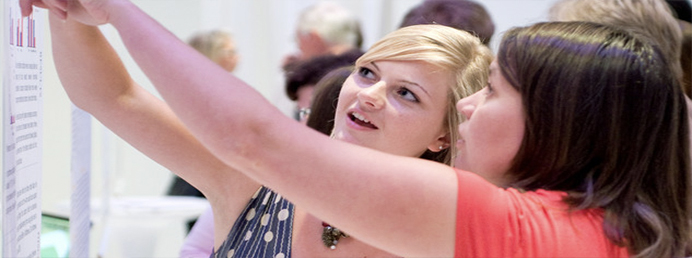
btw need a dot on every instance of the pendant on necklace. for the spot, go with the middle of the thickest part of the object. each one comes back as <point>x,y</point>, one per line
<point>331,236</point>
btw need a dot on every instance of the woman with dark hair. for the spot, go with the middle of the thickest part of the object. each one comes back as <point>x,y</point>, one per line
<point>577,147</point>
<point>592,98</point>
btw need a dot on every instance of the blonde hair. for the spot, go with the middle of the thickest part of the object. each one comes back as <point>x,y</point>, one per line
<point>210,43</point>
<point>450,49</point>
<point>652,19</point>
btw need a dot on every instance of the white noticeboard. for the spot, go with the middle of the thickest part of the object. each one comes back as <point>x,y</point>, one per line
<point>22,131</point>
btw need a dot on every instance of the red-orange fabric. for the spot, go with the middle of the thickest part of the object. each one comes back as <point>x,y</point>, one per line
<point>496,222</point>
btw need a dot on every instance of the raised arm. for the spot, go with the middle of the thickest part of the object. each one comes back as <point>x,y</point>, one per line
<point>403,205</point>
<point>96,81</point>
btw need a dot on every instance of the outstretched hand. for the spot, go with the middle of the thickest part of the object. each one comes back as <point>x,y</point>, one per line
<point>90,12</point>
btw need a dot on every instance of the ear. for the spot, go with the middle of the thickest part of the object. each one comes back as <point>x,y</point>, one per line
<point>440,143</point>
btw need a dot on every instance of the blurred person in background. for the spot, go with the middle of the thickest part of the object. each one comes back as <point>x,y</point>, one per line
<point>465,15</point>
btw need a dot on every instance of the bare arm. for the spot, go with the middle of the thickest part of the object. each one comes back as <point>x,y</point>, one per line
<point>96,81</point>
<point>403,205</point>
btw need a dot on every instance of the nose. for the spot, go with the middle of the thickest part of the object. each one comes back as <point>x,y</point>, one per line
<point>373,97</point>
<point>467,105</point>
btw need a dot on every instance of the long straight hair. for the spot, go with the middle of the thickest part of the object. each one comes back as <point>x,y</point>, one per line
<point>606,122</point>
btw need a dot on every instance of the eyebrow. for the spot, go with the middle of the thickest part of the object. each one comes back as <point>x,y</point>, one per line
<point>417,85</point>
<point>375,65</point>
<point>404,81</point>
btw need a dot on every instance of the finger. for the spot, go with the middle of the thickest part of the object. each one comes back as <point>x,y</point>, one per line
<point>26,6</point>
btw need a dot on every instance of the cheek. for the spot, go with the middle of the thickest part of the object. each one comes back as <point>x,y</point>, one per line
<point>416,131</point>
<point>349,92</point>
<point>493,144</point>
<point>403,141</point>
<point>346,98</point>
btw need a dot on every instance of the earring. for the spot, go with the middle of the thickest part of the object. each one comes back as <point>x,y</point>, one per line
<point>441,147</point>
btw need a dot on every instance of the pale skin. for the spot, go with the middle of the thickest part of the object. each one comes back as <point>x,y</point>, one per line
<point>488,142</point>
<point>184,135</point>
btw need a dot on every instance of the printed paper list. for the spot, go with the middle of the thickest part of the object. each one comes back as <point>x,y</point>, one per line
<point>22,129</point>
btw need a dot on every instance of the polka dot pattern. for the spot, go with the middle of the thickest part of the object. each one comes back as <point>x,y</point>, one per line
<point>265,219</point>
<point>268,237</point>
<point>250,214</point>
<point>266,199</point>
<point>263,229</point>
<point>283,215</point>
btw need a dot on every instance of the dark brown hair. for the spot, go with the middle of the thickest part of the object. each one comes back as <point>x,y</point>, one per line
<point>464,15</point>
<point>325,98</point>
<point>309,72</point>
<point>686,57</point>
<point>606,122</point>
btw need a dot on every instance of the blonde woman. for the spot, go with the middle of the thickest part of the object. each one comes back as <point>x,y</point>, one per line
<point>400,100</point>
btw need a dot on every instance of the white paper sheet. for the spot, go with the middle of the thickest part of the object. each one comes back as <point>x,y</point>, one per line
<point>22,129</point>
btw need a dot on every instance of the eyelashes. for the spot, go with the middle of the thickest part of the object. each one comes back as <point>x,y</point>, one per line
<point>400,91</point>
<point>407,94</point>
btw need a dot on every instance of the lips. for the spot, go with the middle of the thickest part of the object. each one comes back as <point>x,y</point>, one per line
<point>360,119</point>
